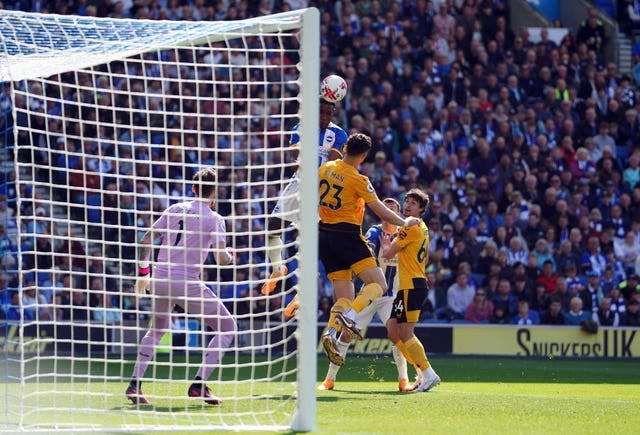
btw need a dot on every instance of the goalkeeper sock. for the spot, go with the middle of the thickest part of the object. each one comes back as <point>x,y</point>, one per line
<point>147,348</point>
<point>342,305</point>
<point>215,349</point>
<point>197,383</point>
<point>368,294</point>
<point>135,384</point>
<point>274,251</point>
<point>401,363</point>
<point>333,369</point>
<point>418,354</point>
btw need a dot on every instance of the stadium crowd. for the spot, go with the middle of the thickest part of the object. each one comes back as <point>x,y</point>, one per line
<point>529,152</point>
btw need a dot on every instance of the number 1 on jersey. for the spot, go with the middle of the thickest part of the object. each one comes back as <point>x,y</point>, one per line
<point>180,229</point>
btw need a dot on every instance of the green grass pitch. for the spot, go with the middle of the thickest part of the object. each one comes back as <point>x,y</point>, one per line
<point>477,396</point>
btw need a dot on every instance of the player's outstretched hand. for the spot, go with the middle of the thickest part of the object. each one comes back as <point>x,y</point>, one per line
<point>385,241</point>
<point>142,284</point>
<point>411,221</point>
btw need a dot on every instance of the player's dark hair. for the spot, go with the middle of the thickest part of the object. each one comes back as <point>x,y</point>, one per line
<point>324,102</point>
<point>392,201</point>
<point>204,181</point>
<point>358,143</point>
<point>419,196</point>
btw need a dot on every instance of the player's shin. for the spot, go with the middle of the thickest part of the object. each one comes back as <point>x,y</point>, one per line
<point>402,347</point>
<point>401,363</point>
<point>333,369</point>
<point>342,305</point>
<point>215,350</point>
<point>274,250</point>
<point>368,294</point>
<point>417,353</point>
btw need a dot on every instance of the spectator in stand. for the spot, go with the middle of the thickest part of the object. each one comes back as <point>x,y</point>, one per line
<point>631,317</point>
<point>104,312</point>
<point>480,309</point>
<point>592,294</point>
<point>499,317</point>
<point>627,250</point>
<point>605,316</point>
<point>618,304</point>
<point>593,259</point>
<point>459,296</point>
<point>548,278</point>
<point>505,299</point>
<point>575,315</point>
<point>525,316</point>
<point>553,316</point>
<point>13,312</point>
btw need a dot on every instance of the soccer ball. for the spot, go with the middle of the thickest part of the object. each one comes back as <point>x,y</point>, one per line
<point>333,88</point>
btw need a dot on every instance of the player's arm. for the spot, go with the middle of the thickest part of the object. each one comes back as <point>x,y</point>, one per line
<point>222,254</point>
<point>388,248</point>
<point>387,215</point>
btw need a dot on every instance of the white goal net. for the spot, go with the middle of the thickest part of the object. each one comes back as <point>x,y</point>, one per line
<point>111,119</point>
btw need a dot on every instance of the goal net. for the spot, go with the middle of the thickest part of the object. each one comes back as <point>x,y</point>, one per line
<point>111,119</point>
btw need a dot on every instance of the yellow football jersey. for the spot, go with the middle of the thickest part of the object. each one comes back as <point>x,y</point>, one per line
<point>343,193</point>
<point>412,258</point>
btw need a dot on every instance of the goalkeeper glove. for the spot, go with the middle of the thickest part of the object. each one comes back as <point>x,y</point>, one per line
<point>143,281</point>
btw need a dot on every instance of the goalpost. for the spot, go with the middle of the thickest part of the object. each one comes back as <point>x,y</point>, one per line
<point>111,119</point>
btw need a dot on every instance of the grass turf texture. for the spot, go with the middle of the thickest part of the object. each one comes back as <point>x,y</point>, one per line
<point>478,395</point>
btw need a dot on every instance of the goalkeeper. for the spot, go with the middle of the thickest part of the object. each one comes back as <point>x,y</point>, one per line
<point>331,142</point>
<point>187,231</point>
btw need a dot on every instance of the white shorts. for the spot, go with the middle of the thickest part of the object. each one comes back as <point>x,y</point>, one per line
<point>380,306</point>
<point>288,206</point>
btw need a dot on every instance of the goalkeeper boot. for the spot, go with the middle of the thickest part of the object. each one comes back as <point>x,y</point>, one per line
<point>270,285</point>
<point>204,393</point>
<point>136,396</point>
<point>330,345</point>
<point>292,308</point>
<point>349,325</point>
<point>326,385</point>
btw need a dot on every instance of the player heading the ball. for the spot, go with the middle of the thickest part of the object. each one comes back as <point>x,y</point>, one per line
<point>331,142</point>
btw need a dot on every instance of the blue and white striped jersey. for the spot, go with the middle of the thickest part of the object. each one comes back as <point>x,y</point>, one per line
<point>331,137</point>
<point>389,267</point>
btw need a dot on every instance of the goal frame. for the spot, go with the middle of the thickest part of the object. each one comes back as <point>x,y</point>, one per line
<point>304,417</point>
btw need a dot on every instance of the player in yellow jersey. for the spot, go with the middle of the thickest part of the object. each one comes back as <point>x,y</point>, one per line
<point>380,307</point>
<point>411,246</point>
<point>343,193</point>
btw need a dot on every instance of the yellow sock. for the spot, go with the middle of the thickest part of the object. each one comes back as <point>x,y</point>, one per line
<point>402,347</point>
<point>368,294</point>
<point>415,349</point>
<point>341,305</point>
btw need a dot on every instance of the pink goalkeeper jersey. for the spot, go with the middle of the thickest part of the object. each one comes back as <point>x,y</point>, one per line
<point>188,230</point>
